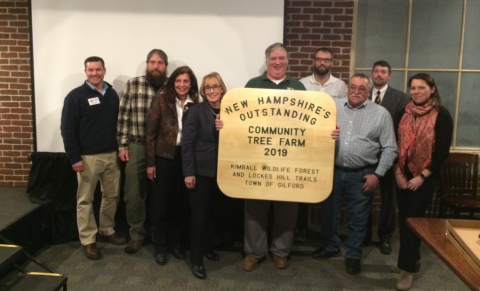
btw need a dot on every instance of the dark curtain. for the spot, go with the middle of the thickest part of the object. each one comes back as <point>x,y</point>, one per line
<point>53,182</point>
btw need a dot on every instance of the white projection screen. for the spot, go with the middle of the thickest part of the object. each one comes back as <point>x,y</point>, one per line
<point>226,36</point>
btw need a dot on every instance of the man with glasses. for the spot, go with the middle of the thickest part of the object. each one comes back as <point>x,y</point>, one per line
<point>321,80</point>
<point>366,130</point>
<point>134,104</point>
<point>394,101</point>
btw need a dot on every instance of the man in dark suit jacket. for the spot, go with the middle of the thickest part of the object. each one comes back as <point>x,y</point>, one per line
<point>393,100</point>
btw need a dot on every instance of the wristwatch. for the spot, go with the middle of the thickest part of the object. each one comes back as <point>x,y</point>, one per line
<point>423,176</point>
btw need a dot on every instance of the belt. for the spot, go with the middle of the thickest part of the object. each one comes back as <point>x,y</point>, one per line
<point>136,140</point>
<point>344,169</point>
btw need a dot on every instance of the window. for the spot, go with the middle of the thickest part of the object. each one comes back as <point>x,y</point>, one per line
<point>441,38</point>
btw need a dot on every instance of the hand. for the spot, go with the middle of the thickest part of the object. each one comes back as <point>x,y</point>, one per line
<point>123,155</point>
<point>78,167</point>
<point>335,133</point>
<point>401,181</point>
<point>218,123</point>
<point>371,183</point>
<point>190,182</point>
<point>415,183</point>
<point>151,173</point>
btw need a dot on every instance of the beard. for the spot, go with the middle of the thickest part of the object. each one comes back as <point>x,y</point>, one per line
<point>321,71</point>
<point>158,80</point>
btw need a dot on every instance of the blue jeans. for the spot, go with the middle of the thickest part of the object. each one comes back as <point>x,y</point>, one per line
<point>347,185</point>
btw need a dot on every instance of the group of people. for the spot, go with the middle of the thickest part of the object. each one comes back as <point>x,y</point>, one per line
<point>163,132</point>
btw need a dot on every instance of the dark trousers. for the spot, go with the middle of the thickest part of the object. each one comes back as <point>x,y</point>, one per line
<point>302,218</point>
<point>386,224</point>
<point>202,214</point>
<point>169,205</point>
<point>412,204</point>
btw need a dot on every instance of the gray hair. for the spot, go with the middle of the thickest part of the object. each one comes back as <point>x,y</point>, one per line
<point>273,47</point>
<point>362,76</point>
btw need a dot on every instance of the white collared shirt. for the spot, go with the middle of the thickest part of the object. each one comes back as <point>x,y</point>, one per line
<point>178,105</point>
<point>333,87</point>
<point>382,93</point>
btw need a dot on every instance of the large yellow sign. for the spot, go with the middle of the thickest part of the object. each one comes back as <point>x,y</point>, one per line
<point>277,145</point>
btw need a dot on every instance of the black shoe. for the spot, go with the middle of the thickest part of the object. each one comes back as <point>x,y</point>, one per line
<point>178,254</point>
<point>199,271</point>
<point>161,258</point>
<point>353,266</point>
<point>212,256</point>
<point>300,235</point>
<point>385,247</point>
<point>321,253</point>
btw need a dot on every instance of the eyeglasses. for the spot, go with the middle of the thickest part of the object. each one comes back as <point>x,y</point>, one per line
<point>214,88</point>
<point>355,88</point>
<point>326,61</point>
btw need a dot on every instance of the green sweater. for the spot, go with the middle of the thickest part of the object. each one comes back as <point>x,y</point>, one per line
<point>263,82</point>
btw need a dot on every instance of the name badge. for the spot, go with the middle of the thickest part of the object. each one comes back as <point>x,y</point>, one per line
<point>93,101</point>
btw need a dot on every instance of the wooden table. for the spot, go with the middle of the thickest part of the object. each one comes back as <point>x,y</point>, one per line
<point>433,232</point>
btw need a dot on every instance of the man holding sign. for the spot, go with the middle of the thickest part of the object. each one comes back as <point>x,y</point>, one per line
<point>256,211</point>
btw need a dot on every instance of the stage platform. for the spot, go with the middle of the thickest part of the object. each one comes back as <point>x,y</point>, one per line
<point>14,205</point>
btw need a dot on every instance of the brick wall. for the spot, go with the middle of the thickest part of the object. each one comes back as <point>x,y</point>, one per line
<point>16,119</point>
<point>311,24</point>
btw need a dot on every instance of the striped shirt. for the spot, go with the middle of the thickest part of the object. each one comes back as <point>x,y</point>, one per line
<point>365,132</point>
<point>132,116</point>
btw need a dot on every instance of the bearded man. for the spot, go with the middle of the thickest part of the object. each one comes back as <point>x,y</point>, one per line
<point>134,104</point>
<point>321,79</point>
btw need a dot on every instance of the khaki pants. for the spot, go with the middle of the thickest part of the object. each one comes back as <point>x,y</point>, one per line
<point>106,168</point>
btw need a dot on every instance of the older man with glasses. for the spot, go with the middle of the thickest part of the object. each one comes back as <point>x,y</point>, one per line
<point>366,129</point>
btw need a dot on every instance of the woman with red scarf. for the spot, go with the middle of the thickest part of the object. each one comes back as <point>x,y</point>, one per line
<point>424,134</point>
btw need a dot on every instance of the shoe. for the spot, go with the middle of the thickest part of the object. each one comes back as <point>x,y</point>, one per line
<point>161,258</point>
<point>250,263</point>
<point>385,247</point>
<point>300,235</point>
<point>397,270</point>
<point>321,253</point>
<point>199,271</point>
<point>353,266</point>
<point>133,246</point>
<point>280,262</point>
<point>404,282</point>
<point>114,239</point>
<point>92,252</point>
<point>178,254</point>
<point>212,256</point>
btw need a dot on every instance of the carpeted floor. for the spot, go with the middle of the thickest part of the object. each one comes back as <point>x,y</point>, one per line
<point>117,271</point>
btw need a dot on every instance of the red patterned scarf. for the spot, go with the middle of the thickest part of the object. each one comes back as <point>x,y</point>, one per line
<point>416,136</point>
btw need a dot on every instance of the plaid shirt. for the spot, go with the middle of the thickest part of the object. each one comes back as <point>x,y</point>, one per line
<point>132,116</point>
<point>365,131</point>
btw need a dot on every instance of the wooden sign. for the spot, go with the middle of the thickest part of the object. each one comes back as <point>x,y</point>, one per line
<point>277,145</point>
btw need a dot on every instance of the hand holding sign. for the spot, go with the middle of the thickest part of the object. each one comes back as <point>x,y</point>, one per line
<point>277,145</point>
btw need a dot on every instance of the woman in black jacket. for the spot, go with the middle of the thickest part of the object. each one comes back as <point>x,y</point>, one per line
<point>199,154</point>
<point>424,134</point>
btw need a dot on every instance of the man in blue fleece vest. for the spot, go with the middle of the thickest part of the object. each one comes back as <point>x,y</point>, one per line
<point>88,126</point>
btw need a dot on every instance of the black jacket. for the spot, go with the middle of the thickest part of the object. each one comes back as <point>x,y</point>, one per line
<point>89,122</point>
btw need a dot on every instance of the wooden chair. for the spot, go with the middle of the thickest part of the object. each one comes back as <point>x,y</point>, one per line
<point>459,182</point>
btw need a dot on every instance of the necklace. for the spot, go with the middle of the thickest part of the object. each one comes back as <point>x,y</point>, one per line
<point>216,114</point>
